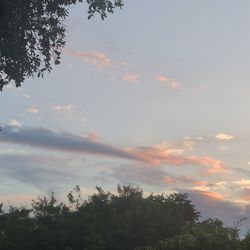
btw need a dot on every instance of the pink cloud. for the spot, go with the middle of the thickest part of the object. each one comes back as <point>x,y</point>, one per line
<point>162,78</point>
<point>191,181</point>
<point>168,180</point>
<point>130,78</point>
<point>245,194</point>
<point>212,195</point>
<point>172,83</point>
<point>98,59</point>
<point>33,110</point>
<point>93,137</point>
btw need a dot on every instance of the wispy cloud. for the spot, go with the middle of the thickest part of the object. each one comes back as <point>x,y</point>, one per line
<point>162,78</point>
<point>131,78</point>
<point>224,137</point>
<point>98,59</point>
<point>14,123</point>
<point>33,110</point>
<point>63,107</point>
<point>172,83</point>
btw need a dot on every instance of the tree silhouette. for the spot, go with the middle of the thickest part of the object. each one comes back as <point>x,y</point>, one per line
<point>32,35</point>
<point>123,221</point>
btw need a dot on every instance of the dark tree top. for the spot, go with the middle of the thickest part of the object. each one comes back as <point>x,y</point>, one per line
<point>32,35</point>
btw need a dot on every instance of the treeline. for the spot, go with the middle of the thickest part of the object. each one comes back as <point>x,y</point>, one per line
<point>126,220</point>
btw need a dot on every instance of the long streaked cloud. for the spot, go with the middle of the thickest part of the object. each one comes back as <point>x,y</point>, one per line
<point>60,140</point>
<point>67,142</point>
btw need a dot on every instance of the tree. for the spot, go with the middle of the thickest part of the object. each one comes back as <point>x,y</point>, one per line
<point>122,221</point>
<point>32,35</point>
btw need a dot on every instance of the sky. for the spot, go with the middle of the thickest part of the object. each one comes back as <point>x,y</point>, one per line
<point>157,95</point>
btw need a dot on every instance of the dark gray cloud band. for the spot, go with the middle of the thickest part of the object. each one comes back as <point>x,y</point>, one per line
<point>63,141</point>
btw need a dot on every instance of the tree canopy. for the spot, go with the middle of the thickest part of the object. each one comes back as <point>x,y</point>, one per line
<point>122,221</point>
<point>32,35</point>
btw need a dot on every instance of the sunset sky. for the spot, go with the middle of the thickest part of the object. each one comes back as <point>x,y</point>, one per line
<point>157,95</point>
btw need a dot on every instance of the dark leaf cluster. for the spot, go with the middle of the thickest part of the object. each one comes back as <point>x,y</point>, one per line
<point>32,35</point>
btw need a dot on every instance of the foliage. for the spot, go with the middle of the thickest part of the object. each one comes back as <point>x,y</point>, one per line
<point>32,35</point>
<point>122,221</point>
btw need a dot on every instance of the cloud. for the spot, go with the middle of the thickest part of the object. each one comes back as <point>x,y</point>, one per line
<point>224,137</point>
<point>14,123</point>
<point>245,194</point>
<point>162,78</point>
<point>41,171</point>
<point>138,175</point>
<point>131,78</point>
<point>93,57</point>
<point>143,174</point>
<point>212,204</point>
<point>200,88</point>
<point>63,108</point>
<point>33,110</point>
<point>185,181</point>
<point>93,137</point>
<point>243,182</point>
<point>60,140</point>
<point>190,181</point>
<point>157,156</point>
<point>67,142</point>
<point>16,200</point>
<point>172,83</point>
<point>98,59</point>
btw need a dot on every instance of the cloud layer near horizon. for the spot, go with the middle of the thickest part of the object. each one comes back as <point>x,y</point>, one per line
<point>67,142</point>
